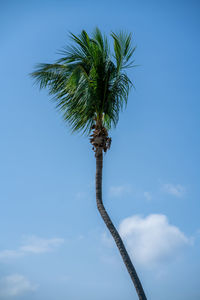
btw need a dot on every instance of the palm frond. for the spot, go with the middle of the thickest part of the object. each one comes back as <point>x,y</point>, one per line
<point>86,83</point>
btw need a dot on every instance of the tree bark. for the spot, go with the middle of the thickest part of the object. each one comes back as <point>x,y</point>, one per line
<point>127,261</point>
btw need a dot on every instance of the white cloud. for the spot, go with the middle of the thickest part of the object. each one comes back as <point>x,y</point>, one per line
<point>33,245</point>
<point>174,189</point>
<point>116,191</point>
<point>14,285</point>
<point>36,245</point>
<point>152,240</point>
<point>6,254</point>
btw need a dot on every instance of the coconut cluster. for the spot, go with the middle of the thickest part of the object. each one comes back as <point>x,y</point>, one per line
<point>99,139</point>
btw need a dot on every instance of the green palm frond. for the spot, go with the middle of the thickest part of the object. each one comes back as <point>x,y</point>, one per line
<point>86,83</point>
<point>123,49</point>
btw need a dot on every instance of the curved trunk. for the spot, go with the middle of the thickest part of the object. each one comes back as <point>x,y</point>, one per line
<point>112,229</point>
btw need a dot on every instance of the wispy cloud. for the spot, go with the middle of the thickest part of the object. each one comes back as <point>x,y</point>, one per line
<point>152,240</point>
<point>119,190</point>
<point>147,196</point>
<point>107,240</point>
<point>34,245</point>
<point>15,285</point>
<point>80,195</point>
<point>174,189</point>
<point>9,254</point>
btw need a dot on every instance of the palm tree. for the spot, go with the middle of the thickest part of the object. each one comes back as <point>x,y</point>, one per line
<point>90,88</point>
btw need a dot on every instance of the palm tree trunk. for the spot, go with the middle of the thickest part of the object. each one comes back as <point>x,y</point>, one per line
<point>112,229</point>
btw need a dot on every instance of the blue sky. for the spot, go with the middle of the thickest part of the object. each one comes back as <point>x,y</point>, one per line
<point>53,243</point>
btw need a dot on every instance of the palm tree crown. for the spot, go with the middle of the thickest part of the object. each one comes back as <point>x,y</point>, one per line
<point>89,83</point>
